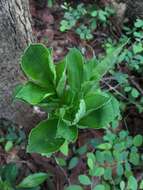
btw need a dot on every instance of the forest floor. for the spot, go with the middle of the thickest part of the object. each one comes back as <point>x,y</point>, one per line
<point>46,23</point>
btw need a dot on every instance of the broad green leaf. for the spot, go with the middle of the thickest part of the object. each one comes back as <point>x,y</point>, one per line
<point>33,180</point>
<point>129,141</point>
<point>141,185</point>
<point>100,157</point>
<point>8,146</point>
<point>127,166</point>
<point>96,100</point>
<point>118,155</point>
<point>42,138</point>
<point>75,69</point>
<point>90,163</point>
<point>84,180</point>
<point>99,171</point>
<point>5,185</point>
<point>37,64</point>
<point>94,13</point>
<point>61,85</point>
<point>137,48</point>
<point>9,173</point>
<point>102,15</point>
<point>70,133</point>
<point>134,158</point>
<point>105,146</point>
<point>64,148</point>
<point>33,94</point>
<point>123,134</point>
<point>120,169</point>
<point>138,23</point>
<point>88,68</point>
<point>73,162</point>
<point>48,105</point>
<point>61,77</point>
<point>107,186</point>
<point>89,87</point>
<point>109,136</point>
<point>138,35</point>
<point>138,140</point>
<point>74,187</point>
<point>107,63</point>
<point>61,161</point>
<point>60,69</point>
<point>91,160</point>
<point>81,112</point>
<point>108,156</point>
<point>99,187</point>
<point>16,90</point>
<point>120,146</point>
<point>108,173</point>
<point>102,117</point>
<point>135,93</point>
<point>82,150</point>
<point>132,183</point>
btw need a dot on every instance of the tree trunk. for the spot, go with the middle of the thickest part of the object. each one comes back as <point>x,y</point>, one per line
<point>134,9</point>
<point>15,35</point>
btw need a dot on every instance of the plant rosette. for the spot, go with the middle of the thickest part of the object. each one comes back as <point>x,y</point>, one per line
<point>69,91</point>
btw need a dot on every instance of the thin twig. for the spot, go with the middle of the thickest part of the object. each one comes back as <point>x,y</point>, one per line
<point>115,90</point>
<point>63,171</point>
<point>136,85</point>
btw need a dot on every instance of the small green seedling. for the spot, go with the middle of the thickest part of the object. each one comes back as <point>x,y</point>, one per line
<point>113,164</point>
<point>73,18</point>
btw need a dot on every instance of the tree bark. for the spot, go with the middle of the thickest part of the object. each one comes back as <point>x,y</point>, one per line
<point>134,9</point>
<point>15,35</point>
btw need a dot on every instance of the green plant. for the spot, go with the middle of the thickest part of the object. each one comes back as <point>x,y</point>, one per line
<point>10,135</point>
<point>113,163</point>
<point>84,32</point>
<point>130,67</point>
<point>9,174</point>
<point>50,3</point>
<point>70,92</point>
<point>127,90</point>
<point>133,54</point>
<point>73,18</point>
